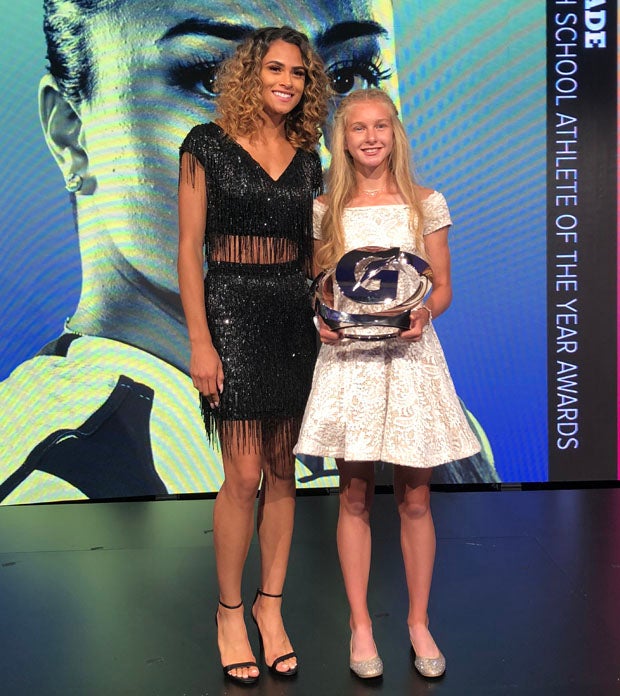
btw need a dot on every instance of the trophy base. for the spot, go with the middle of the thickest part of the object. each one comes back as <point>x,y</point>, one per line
<point>367,327</point>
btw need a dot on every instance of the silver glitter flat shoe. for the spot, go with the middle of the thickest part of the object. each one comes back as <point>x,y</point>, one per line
<point>429,666</point>
<point>367,669</point>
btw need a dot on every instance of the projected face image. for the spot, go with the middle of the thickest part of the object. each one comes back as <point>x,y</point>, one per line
<point>126,83</point>
<point>128,79</point>
<point>153,65</point>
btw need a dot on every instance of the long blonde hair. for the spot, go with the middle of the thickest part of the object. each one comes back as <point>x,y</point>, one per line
<point>341,180</point>
<point>239,89</point>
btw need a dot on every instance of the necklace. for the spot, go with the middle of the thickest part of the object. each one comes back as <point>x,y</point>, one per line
<point>372,192</point>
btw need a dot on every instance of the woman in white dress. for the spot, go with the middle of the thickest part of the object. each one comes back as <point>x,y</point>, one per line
<point>389,400</point>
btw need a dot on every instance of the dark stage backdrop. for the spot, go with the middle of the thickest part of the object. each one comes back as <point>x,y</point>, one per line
<point>512,113</point>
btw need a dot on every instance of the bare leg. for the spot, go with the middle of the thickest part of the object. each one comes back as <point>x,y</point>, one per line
<point>276,512</point>
<point>357,484</point>
<point>233,525</point>
<point>417,538</point>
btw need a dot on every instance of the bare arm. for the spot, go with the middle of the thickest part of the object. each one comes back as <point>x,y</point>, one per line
<point>438,254</point>
<point>205,364</point>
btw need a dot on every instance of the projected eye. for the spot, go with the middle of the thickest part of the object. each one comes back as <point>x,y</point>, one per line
<point>198,78</point>
<point>348,75</point>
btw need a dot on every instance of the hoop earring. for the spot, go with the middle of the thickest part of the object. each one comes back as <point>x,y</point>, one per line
<point>73,183</point>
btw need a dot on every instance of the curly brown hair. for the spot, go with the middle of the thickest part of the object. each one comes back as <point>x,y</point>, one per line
<point>239,89</point>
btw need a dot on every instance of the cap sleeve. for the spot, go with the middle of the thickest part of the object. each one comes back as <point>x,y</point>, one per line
<point>194,145</point>
<point>318,210</point>
<point>436,213</point>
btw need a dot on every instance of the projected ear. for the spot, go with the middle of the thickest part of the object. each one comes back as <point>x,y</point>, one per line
<point>64,135</point>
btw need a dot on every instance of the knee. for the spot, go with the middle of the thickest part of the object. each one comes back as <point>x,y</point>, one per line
<point>356,498</point>
<point>414,507</point>
<point>243,486</point>
<point>279,485</point>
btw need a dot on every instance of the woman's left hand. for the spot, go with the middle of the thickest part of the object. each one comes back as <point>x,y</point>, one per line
<point>418,320</point>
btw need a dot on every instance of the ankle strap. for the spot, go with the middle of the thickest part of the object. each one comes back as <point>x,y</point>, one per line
<point>266,594</point>
<point>230,606</point>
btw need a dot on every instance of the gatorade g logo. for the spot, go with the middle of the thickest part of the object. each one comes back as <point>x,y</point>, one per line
<point>369,275</point>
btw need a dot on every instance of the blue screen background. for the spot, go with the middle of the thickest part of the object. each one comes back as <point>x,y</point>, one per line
<point>472,89</point>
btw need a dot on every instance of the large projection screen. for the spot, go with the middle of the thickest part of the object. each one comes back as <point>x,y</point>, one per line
<point>511,109</point>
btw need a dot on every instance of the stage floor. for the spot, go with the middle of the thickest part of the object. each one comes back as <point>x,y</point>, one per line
<point>118,598</point>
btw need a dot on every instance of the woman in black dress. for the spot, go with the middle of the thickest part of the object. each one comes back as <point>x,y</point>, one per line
<point>246,188</point>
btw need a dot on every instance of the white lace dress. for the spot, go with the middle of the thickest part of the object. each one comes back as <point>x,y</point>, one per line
<point>391,400</point>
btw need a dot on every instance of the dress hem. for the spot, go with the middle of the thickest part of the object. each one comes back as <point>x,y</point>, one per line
<point>322,453</point>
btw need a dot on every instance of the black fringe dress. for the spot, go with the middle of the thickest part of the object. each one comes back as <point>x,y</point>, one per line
<point>258,242</point>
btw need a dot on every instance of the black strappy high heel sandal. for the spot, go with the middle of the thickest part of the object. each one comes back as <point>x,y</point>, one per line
<point>235,665</point>
<point>272,667</point>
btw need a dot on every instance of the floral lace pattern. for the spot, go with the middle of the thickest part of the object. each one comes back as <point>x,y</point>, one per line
<point>391,400</point>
